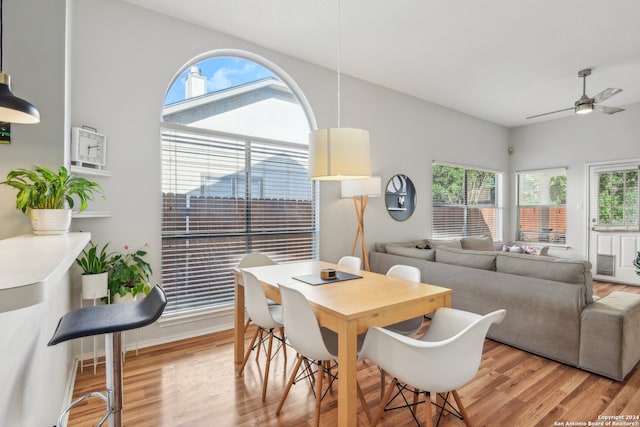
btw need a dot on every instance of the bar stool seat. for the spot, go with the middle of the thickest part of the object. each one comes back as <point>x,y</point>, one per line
<point>111,320</point>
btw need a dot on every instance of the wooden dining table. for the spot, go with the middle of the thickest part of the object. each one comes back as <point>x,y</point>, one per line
<point>348,308</point>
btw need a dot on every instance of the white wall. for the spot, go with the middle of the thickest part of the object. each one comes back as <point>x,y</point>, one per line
<point>123,96</point>
<point>572,142</point>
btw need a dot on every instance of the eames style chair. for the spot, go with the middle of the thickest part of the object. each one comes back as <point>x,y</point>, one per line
<point>266,317</point>
<point>255,259</point>
<point>444,359</point>
<point>406,272</point>
<point>315,346</point>
<point>350,262</point>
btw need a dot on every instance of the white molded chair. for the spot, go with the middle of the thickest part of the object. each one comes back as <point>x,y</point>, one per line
<point>350,262</point>
<point>406,272</point>
<point>255,259</point>
<point>314,344</point>
<point>444,359</point>
<point>266,317</point>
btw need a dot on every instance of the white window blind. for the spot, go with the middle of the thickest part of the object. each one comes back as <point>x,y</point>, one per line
<point>466,202</point>
<point>542,198</point>
<point>211,217</point>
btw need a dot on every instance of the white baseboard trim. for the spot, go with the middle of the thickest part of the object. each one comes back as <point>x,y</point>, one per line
<point>131,346</point>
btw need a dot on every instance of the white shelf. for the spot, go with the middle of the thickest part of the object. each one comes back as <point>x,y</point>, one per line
<point>91,214</point>
<point>89,171</point>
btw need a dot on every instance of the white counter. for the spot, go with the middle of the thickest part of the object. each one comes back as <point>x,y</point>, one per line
<point>27,262</point>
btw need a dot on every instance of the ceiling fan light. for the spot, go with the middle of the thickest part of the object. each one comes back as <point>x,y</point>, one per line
<point>584,108</point>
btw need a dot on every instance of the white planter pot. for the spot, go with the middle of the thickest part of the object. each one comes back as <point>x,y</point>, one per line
<point>126,298</point>
<point>50,221</point>
<point>95,285</point>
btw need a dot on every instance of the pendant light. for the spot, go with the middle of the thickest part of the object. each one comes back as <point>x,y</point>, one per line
<point>12,108</point>
<point>337,154</point>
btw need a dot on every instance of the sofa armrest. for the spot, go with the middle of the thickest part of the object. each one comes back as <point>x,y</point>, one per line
<point>609,338</point>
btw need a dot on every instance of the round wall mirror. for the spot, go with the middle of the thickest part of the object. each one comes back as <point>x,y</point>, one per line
<point>400,197</point>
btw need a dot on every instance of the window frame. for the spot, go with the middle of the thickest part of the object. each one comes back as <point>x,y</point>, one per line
<point>542,232</point>
<point>498,205</point>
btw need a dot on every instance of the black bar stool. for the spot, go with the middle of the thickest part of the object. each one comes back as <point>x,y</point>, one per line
<point>110,320</point>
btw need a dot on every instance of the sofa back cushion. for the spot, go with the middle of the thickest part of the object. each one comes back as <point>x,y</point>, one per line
<point>549,268</point>
<point>484,260</point>
<point>382,246</point>
<point>427,254</point>
<point>441,243</point>
<point>477,243</point>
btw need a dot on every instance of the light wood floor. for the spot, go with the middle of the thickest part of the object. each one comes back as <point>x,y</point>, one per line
<point>192,383</point>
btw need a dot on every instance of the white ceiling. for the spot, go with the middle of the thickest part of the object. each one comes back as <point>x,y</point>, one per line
<point>499,60</point>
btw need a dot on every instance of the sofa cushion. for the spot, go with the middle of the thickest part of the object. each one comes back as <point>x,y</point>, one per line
<point>427,254</point>
<point>438,243</point>
<point>382,246</point>
<point>477,243</point>
<point>549,268</point>
<point>483,260</point>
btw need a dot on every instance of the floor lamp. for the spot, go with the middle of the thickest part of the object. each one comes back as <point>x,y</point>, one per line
<point>360,190</point>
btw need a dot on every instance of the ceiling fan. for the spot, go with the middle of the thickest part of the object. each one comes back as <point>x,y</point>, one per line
<point>585,104</point>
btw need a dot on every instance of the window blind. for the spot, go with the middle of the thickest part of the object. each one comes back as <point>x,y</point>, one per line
<point>542,198</point>
<point>466,202</point>
<point>224,197</point>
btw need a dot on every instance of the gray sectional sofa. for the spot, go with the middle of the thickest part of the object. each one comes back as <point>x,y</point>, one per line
<point>551,310</point>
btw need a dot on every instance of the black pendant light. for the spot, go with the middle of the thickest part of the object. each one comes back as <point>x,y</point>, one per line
<point>12,108</point>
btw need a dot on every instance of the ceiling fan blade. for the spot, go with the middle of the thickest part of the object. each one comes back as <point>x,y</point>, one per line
<point>551,112</point>
<point>607,110</point>
<point>606,94</point>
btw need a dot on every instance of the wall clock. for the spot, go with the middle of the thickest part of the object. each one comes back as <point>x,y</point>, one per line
<point>88,148</point>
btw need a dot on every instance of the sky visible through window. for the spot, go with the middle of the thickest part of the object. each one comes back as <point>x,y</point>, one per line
<point>221,73</point>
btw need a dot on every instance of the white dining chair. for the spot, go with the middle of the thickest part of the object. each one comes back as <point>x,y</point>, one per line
<point>266,317</point>
<point>350,262</point>
<point>444,359</point>
<point>406,272</point>
<point>316,346</point>
<point>255,259</point>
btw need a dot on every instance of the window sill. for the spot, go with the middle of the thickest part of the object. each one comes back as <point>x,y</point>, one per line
<point>194,316</point>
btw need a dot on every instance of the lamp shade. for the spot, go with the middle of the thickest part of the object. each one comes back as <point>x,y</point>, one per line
<point>361,187</point>
<point>339,153</point>
<point>12,108</point>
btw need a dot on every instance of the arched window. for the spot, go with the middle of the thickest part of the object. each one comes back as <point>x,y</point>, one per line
<point>234,177</point>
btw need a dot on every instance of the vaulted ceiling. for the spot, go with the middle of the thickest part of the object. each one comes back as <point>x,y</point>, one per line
<point>498,60</point>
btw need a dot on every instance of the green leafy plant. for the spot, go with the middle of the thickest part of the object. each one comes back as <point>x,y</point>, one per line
<point>42,188</point>
<point>636,263</point>
<point>129,273</point>
<point>94,261</point>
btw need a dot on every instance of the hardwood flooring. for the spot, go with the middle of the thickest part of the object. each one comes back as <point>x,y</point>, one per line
<point>192,383</point>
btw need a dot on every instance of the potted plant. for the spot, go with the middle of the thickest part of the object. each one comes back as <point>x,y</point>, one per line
<point>636,263</point>
<point>47,197</point>
<point>129,275</point>
<point>95,264</point>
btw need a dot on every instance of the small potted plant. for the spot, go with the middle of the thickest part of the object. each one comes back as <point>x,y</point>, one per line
<point>636,263</point>
<point>47,197</point>
<point>95,264</point>
<point>129,275</point>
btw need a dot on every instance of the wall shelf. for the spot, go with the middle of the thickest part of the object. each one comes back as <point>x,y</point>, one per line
<point>89,171</point>
<point>91,214</point>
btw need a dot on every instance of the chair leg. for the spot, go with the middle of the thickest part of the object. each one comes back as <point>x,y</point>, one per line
<point>259,343</point>
<point>363,401</point>
<point>284,343</point>
<point>463,411</point>
<point>246,325</point>
<point>383,403</point>
<point>318,394</point>
<point>266,369</point>
<point>383,379</point>
<point>248,352</point>
<point>428,416</point>
<point>285,393</point>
